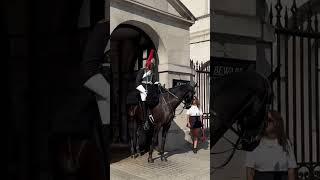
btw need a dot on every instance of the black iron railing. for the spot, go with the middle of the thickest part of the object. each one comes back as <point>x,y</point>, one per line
<point>201,72</point>
<point>297,91</point>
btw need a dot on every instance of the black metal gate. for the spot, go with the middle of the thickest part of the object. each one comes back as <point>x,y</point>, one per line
<point>297,91</point>
<point>201,72</point>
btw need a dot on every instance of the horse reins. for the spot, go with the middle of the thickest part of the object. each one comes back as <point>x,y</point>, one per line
<point>235,146</point>
<point>167,102</point>
<point>174,97</point>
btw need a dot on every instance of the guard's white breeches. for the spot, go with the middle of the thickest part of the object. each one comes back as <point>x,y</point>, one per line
<point>143,92</point>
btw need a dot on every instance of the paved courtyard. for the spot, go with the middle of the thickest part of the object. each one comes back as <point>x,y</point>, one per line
<point>181,165</point>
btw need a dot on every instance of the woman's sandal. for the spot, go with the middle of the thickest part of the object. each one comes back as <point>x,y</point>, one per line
<point>195,150</point>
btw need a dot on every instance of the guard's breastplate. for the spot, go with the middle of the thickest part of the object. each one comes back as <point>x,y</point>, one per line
<point>147,79</point>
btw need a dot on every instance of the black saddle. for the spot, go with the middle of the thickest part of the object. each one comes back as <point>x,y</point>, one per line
<point>153,95</point>
<point>133,97</point>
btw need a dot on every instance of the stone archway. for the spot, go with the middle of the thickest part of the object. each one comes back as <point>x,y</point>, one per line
<point>149,31</point>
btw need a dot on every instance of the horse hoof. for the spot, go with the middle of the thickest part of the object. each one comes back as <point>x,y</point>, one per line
<point>150,160</point>
<point>132,156</point>
<point>164,159</point>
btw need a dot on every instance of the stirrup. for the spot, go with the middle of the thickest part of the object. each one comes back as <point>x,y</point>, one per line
<point>151,118</point>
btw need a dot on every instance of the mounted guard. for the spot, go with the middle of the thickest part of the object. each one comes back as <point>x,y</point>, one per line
<point>145,84</point>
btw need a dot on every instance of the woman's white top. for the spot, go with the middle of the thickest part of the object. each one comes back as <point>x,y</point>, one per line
<point>270,156</point>
<point>194,111</point>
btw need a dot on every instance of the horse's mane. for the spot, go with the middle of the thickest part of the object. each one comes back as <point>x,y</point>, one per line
<point>177,87</point>
<point>164,90</point>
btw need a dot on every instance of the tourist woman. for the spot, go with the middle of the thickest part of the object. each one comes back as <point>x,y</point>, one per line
<point>194,119</point>
<point>273,159</point>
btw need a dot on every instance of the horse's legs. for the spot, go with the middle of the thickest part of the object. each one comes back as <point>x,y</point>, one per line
<point>137,137</point>
<point>164,136</point>
<point>132,136</point>
<point>91,163</point>
<point>154,141</point>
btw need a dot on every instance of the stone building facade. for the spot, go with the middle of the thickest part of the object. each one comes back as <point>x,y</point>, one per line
<point>200,31</point>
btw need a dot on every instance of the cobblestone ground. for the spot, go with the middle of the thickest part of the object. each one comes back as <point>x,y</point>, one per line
<point>181,165</point>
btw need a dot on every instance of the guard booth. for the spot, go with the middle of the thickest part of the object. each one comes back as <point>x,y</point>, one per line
<point>136,27</point>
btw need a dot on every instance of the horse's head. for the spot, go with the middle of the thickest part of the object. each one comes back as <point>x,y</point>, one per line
<point>266,102</point>
<point>184,93</point>
<point>254,122</point>
<point>243,98</point>
<point>190,91</point>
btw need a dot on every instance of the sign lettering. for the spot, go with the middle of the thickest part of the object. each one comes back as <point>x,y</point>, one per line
<point>177,82</point>
<point>224,66</point>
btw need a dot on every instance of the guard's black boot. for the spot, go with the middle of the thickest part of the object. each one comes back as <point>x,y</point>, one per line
<point>145,116</point>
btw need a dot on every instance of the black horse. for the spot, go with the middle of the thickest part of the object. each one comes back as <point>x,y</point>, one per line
<point>242,98</point>
<point>77,146</point>
<point>163,114</point>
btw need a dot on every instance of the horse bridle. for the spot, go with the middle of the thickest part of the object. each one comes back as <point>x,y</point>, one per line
<point>235,146</point>
<point>184,104</point>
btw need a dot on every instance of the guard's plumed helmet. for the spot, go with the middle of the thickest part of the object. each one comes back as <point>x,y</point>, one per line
<point>150,59</point>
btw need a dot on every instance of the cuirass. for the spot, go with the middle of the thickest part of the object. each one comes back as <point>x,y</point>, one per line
<point>148,78</point>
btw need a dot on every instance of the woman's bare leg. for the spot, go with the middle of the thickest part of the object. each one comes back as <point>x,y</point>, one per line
<point>195,141</point>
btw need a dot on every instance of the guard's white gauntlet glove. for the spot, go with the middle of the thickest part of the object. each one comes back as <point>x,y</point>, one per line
<point>141,89</point>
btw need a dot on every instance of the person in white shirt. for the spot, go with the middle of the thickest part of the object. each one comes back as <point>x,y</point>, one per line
<point>194,121</point>
<point>273,158</point>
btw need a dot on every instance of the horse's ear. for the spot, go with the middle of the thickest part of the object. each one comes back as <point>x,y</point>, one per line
<point>275,74</point>
<point>192,83</point>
